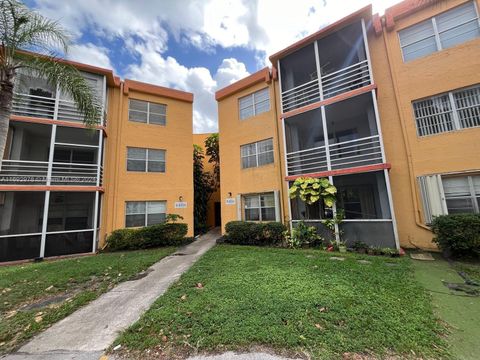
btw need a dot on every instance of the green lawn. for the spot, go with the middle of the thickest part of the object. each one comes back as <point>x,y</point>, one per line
<point>460,311</point>
<point>36,295</point>
<point>294,301</point>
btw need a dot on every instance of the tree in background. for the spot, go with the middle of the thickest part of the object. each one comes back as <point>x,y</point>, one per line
<point>203,187</point>
<point>213,153</point>
<point>21,30</point>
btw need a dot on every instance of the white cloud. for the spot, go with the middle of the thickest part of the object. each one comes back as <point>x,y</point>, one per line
<point>156,69</point>
<point>90,54</point>
<point>265,26</point>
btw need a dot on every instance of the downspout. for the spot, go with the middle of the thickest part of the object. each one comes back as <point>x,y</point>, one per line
<point>406,143</point>
<point>279,153</point>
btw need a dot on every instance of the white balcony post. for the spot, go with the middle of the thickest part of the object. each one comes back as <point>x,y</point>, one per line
<point>325,137</point>
<point>392,210</point>
<point>379,127</point>
<point>57,103</point>
<point>319,71</point>
<point>367,50</point>
<point>47,193</point>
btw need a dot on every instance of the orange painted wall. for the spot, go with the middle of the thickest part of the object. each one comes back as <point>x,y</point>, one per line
<point>199,139</point>
<point>411,156</point>
<point>175,138</point>
<point>234,133</point>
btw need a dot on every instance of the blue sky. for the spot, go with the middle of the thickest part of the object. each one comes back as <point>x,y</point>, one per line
<point>193,45</point>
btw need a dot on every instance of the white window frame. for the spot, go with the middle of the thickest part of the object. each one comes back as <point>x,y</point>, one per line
<point>146,160</point>
<point>454,112</point>
<point>472,196</point>
<point>146,210</point>
<point>254,102</point>
<point>257,153</point>
<point>436,32</point>
<point>259,195</point>
<point>148,112</point>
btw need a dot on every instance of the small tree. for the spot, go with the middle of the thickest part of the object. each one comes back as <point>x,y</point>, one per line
<point>212,150</point>
<point>203,187</point>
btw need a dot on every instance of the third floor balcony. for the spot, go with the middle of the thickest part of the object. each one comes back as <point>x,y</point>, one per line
<point>326,68</point>
<point>36,97</point>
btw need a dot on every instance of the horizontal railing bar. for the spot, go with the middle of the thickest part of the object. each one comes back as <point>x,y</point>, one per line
<point>357,161</point>
<point>68,231</point>
<point>342,69</point>
<point>76,145</point>
<point>308,168</point>
<point>310,158</point>
<point>343,79</point>
<point>340,154</point>
<point>355,156</point>
<point>299,86</point>
<point>293,167</point>
<point>301,151</point>
<point>354,140</point>
<point>301,102</point>
<point>360,79</point>
<point>354,71</point>
<point>330,94</point>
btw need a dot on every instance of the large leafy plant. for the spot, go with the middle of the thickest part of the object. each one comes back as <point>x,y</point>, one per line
<point>310,190</point>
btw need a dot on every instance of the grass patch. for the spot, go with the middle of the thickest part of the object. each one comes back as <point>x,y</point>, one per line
<point>294,300</point>
<point>472,269</point>
<point>36,295</point>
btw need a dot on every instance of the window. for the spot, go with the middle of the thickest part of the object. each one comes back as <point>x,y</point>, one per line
<point>144,213</point>
<point>462,194</point>
<point>443,195</point>
<point>145,160</point>
<point>254,104</point>
<point>147,112</point>
<point>257,154</point>
<point>259,207</point>
<point>454,110</point>
<point>445,30</point>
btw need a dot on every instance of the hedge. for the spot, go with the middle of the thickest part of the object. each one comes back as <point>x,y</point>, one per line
<point>252,233</point>
<point>458,234</point>
<point>165,234</point>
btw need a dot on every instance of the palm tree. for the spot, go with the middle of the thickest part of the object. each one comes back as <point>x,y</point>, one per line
<point>21,31</point>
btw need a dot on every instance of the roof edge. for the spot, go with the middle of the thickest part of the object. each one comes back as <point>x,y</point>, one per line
<point>255,78</point>
<point>156,90</point>
<point>404,9</point>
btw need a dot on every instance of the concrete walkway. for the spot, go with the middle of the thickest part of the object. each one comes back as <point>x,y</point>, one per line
<point>87,332</point>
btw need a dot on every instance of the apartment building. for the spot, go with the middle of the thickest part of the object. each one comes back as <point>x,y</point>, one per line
<point>387,107</point>
<point>64,187</point>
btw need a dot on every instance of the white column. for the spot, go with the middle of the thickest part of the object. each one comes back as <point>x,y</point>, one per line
<point>47,193</point>
<point>319,70</point>
<point>367,50</point>
<point>392,211</point>
<point>57,103</point>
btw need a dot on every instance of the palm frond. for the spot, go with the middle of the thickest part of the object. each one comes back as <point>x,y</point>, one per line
<point>69,81</point>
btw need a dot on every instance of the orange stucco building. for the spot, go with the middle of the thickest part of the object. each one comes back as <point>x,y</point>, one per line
<point>64,188</point>
<point>387,107</point>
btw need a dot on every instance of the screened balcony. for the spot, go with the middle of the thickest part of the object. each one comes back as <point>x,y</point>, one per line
<point>35,97</point>
<point>75,159</point>
<point>352,139</point>
<point>342,60</point>
<point>70,220</point>
<point>365,202</point>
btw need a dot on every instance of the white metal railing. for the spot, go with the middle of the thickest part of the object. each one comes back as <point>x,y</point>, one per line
<point>48,108</point>
<point>346,154</point>
<point>358,152</point>
<point>307,161</point>
<point>36,172</point>
<point>349,78</point>
<point>301,95</point>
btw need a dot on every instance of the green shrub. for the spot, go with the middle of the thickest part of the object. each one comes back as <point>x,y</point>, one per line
<point>303,235</point>
<point>252,233</point>
<point>165,234</point>
<point>458,234</point>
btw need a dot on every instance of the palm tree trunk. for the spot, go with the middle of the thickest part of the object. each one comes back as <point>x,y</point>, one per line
<point>6,96</point>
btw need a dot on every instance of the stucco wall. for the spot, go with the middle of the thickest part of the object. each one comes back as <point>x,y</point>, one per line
<point>122,185</point>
